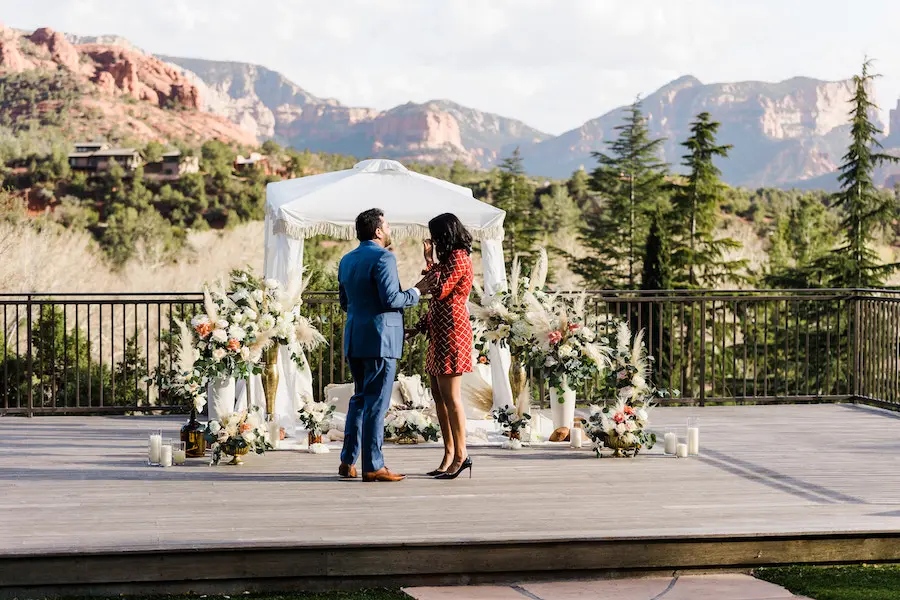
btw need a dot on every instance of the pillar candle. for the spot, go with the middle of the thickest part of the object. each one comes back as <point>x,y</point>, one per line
<point>165,455</point>
<point>274,434</point>
<point>693,440</point>
<point>178,456</point>
<point>576,437</point>
<point>671,442</point>
<point>681,451</point>
<point>154,448</point>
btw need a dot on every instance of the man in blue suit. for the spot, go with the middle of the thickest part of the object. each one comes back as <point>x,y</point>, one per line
<point>371,296</point>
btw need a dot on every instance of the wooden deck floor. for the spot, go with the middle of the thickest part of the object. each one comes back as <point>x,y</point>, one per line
<point>75,486</point>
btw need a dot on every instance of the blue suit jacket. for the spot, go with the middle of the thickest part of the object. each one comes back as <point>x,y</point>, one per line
<point>371,296</point>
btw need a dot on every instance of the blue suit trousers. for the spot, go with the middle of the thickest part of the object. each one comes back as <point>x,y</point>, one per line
<point>373,380</point>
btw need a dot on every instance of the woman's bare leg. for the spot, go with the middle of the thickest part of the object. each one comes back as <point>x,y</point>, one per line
<point>451,395</point>
<point>444,421</point>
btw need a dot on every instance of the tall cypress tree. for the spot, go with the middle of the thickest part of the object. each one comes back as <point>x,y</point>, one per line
<point>630,179</point>
<point>657,268</point>
<point>855,264</point>
<point>698,256</point>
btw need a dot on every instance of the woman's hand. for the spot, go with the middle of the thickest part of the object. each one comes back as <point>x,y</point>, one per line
<point>428,251</point>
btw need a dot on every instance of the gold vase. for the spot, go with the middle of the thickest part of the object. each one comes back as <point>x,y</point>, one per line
<point>517,379</point>
<point>238,453</point>
<point>270,377</point>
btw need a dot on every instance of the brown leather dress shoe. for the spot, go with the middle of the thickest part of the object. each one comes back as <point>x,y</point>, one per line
<point>347,471</point>
<point>383,474</point>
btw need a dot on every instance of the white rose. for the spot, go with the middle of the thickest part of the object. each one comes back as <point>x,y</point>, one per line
<point>245,353</point>
<point>565,351</point>
<point>218,353</point>
<point>236,333</point>
<point>276,307</point>
<point>587,334</point>
<point>220,335</point>
<point>257,295</point>
<point>271,284</point>
<point>221,324</point>
<point>621,428</point>
<point>214,427</point>
<point>641,414</point>
<point>239,295</point>
<point>199,320</point>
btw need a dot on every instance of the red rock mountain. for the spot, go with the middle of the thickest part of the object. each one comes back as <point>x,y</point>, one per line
<point>113,76</point>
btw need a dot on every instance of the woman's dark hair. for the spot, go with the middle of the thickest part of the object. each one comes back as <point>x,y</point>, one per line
<point>449,234</point>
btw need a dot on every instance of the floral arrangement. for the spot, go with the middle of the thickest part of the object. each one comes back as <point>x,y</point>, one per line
<point>237,434</point>
<point>511,420</point>
<point>185,383</point>
<point>250,316</point>
<point>316,419</point>
<point>621,425</point>
<point>565,349</point>
<point>502,316</point>
<point>412,419</point>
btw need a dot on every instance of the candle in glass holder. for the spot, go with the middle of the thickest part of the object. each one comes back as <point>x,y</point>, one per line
<point>681,451</point>
<point>576,437</point>
<point>179,453</point>
<point>165,454</point>
<point>274,431</point>
<point>153,447</point>
<point>693,435</point>
<point>671,441</point>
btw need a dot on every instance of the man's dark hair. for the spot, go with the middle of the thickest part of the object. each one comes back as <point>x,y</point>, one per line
<point>367,222</point>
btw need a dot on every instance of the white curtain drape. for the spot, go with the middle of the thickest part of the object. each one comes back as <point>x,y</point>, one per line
<point>283,258</point>
<point>494,281</point>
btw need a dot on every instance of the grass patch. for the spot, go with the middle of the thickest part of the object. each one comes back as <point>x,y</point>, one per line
<point>377,594</point>
<point>856,582</point>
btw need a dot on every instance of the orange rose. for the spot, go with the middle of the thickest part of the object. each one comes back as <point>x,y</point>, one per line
<point>234,345</point>
<point>482,360</point>
<point>245,427</point>
<point>629,410</point>
<point>203,329</point>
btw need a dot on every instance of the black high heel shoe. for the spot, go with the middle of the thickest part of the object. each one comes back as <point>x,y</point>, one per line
<point>467,464</point>
<point>435,473</point>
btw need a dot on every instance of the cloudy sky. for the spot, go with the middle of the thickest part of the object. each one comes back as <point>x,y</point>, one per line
<point>551,63</point>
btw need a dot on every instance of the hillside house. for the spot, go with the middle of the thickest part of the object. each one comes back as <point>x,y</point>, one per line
<point>173,165</point>
<point>254,161</point>
<point>99,158</point>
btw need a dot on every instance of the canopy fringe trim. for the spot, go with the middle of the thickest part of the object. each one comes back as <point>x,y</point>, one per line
<point>348,231</point>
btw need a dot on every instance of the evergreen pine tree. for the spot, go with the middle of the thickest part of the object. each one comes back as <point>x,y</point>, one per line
<point>698,256</point>
<point>855,263</point>
<point>630,180</point>
<point>515,195</point>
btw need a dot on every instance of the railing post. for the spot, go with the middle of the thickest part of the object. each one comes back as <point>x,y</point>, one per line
<point>855,340</point>
<point>28,346</point>
<point>702,352</point>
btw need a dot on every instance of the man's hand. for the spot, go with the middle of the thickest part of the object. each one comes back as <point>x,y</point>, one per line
<point>425,284</point>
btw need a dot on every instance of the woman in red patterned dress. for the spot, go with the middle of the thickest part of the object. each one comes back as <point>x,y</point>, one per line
<point>450,336</point>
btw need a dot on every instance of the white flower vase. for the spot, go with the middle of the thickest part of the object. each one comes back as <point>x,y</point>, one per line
<point>221,394</point>
<point>562,413</point>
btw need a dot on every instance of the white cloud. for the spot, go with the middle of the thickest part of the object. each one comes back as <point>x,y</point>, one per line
<point>551,63</point>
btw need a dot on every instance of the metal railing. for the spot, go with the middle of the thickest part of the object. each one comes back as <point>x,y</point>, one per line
<point>95,354</point>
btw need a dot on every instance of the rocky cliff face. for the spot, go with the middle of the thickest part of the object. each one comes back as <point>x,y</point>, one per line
<point>112,73</point>
<point>273,107</point>
<point>782,132</point>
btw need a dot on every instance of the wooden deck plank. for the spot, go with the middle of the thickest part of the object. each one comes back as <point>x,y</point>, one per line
<point>80,485</point>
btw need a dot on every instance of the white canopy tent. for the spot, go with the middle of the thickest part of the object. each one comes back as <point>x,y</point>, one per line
<point>328,204</point>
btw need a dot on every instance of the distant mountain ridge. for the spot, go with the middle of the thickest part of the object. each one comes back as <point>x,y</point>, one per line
<point>785,134</point>
<point>275,107</point>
